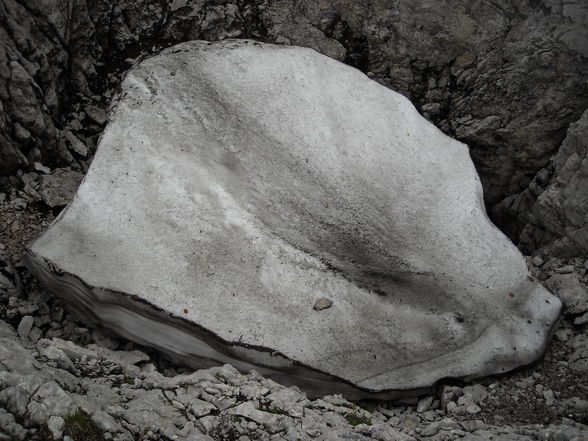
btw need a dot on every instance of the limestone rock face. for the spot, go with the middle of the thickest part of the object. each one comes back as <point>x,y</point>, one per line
<point>237,185</point>
<point>554,210</point>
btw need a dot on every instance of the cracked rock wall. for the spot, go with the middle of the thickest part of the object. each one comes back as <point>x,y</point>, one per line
<point>506,79</point>
<point>553,210</point>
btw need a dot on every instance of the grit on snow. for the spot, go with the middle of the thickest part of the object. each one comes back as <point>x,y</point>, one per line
<point>273,208</point>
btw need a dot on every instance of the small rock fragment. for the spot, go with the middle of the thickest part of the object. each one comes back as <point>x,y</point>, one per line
<point>473,425</point>
<point>383,432</point>
<point>477,391</point>
<point>473,409</point>
<point>58,188</point>
<point>75,144</point>
<point>565,269</point>
<point>56,355</point>
<point>431,430</point>
<point>25,326</point>
<point>451,407</point>
<point>148,368</point>
<point>55,424</point>
<point>96,114</point>
<point>449,394</point>
<point>19,203</point>
<point>70,349</point>
<point>42,168</point>
<point>424,404</point>
<point>105,421</point>
<point>581,320</point>
<point>549,396</point>
<point>322,303</point>
<point>248,410</point>
<point>410,422</point>
<point>569,288</point>
<point>15,227</point>
<point>35,334</point>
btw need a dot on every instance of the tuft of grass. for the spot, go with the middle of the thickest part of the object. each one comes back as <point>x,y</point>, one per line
<point>356,419</point>
<point>80,427</point>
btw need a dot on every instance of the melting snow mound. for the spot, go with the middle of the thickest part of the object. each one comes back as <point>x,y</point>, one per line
<point>271,208</point>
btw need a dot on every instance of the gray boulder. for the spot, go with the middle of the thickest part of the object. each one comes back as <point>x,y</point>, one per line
<point>238,183</point>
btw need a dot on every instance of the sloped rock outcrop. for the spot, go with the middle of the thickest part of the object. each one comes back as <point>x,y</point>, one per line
<point>239,185</point>
<point>553,211</point>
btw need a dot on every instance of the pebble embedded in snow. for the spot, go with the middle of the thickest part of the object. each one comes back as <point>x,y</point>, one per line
<point>322,303</point>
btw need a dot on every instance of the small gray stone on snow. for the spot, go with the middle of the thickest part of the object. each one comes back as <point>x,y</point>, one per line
<point>322,303</point>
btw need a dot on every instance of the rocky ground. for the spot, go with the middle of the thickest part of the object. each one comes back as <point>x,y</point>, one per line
<point>60,379</point>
